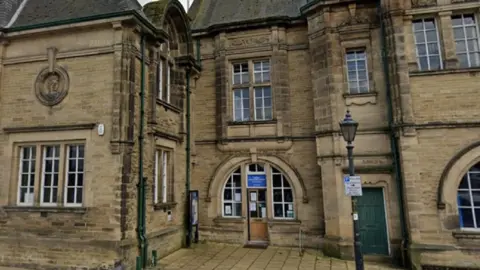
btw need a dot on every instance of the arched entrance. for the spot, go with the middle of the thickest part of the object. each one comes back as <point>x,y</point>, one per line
<point>259,192</point>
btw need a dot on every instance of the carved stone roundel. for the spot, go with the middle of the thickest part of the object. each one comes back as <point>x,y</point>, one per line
<point>51,87</point>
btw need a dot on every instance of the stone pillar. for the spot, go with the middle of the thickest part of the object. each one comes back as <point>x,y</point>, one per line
<point>221,73</point>
<point>446,35</point>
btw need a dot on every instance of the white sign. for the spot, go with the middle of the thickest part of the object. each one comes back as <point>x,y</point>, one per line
<point>238,197</point>
<point>355,216</point>
<point>228,210</point>
<point>353,185</point>
<point>253,206</point>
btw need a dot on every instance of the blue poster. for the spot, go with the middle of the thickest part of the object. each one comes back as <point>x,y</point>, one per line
<point>257,181</point>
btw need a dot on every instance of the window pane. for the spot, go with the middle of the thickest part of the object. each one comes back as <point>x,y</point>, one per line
<point>79,195</point>
<point>266,76</point>
<point>80,180</point>
<point>71,179</point>
<point>70,195</point>
<point>460,46</point>
<point>432,48</point>
<point>471,31</point>
<point>474,180</point>
<point>227,194</point>
<point>72,165</point>
<point>288,196</point>
<point>468,19</point>
<point>245,78</point>
<point>238,209</point>
<point>46,195</point>
<point>431,35</point>
<point>268,113</point>
<point>286,184</point>
<point>464,183</point>
<point>466,217</point>
<point>237,180</point>
<point>463,60</point>
<point>475,59</point>
<point>227,209</point>
<point>476,198</point>
<point>352,76</point>
<point>236,79</point>
<point>472,45</point>
<point>421,49</point>
<point>429,24</point>
<point>48,180</point>
<point>456,20</point>
<point>277,195</point>
<point>419,37</point>
<point>259,114</point>
<point>435,62</point>
<point>278,210</point>
<point>423,61</point>
<point>458,33</point>
<point>277,180</point>
<point>464,198</point>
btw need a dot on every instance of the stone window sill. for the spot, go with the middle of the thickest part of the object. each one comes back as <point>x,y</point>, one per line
<point>167,106</point>
<point>360,99</point>
<point>287,222</point>
<point>466,234</point>
<point>164,206</point>
<point>44,209</point>
<point>263,122</point>
<point>444,71</point>
<point>228,220</point>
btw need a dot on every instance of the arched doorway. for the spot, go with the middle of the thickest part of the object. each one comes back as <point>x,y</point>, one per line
<point>468,198</point>
<point>259,192</point>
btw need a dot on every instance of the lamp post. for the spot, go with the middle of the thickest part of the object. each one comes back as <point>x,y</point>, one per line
<point>348,127</point>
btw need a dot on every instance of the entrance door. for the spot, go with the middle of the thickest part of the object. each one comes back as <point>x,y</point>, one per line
<point>257,214</point>
<point>372,221</point>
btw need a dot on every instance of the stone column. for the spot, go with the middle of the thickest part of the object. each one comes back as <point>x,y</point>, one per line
<point>446,36</point>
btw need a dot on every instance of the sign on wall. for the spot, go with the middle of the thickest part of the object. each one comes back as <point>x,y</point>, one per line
<point>257,181</point>
<point>353,185</point>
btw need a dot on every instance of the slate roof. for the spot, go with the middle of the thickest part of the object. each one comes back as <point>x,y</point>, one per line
<point>208,13</point>
<point>45,11</point>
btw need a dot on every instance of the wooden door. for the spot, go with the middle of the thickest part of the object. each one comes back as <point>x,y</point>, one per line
<point>372,222</point>
<point>257,211</point>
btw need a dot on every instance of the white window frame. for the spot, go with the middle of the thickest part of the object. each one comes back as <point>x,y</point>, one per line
<point>262,106</point>
<point>77,172</point>
<point>32,158</point>
<point>243,99</point>
<point>283,203</point>
<point>251,84</point>
<point>426,43</point>
<point>160,78</point>
<point>465,39</point>
<point>169,67</point>
<point>472,207</point>
<point>232,189</point>
<point>162,175</point>
<point>356,60</point>
<point>42,186</point>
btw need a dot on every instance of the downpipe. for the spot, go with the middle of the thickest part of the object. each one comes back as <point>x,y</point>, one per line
<point>187,165</point>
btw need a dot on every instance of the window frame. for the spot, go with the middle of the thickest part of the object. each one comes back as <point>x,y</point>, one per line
<point>355,50</point>
<point>20,173</point>
<point>164,185</point>
<point>476,17</point>
<point>426,42</point>
<point>283,202</point>
<point>238,172</point>
<point>39,181</point>
<point>66,172</point>
<point>251,85</point>
<point>472,206</point>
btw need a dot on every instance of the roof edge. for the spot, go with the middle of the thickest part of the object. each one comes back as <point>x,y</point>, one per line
<point>151,29</point>
<point>256,23</point>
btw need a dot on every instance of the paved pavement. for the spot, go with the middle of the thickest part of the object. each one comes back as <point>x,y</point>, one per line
<point>222,257</point>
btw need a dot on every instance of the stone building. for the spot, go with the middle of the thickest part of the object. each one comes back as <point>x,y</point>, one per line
<point>269,160</point>
<point>93,98</point>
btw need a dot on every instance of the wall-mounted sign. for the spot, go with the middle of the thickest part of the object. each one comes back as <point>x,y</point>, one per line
<point>257,181</point>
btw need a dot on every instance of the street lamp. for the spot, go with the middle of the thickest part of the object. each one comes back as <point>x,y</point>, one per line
<point>348,127</point>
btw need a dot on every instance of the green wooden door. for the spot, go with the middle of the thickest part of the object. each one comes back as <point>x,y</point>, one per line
<point>372,221</point>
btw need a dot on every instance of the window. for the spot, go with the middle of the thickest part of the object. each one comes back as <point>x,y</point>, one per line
<point>282,196</point>
<point>465,31</point>
<point>357,72</point>
<point>26,180</point>
<point>469,199</point>
<point>74,174</point>
<point>50,175</point>
<point>244,107</point>
<point>232,195</point>
<point>427,44</point>
<point>160,78</point>
<point>163,177</point>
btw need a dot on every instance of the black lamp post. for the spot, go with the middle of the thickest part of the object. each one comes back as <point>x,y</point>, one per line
<point>348,127</point>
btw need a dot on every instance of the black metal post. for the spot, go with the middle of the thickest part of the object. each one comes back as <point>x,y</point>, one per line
<point>357,245</point>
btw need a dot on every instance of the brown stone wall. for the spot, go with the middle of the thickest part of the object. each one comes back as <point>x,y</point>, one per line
<point>34,236</point>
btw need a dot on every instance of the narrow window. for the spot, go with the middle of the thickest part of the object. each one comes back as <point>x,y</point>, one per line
<point>232,195</point>
<point>465,31</point>
<point>357,71</point>
<point>74,174</point>
<point>50,170</point>
<point>241,104</point>
<point>160,79</point>
<point>167,98</point>
<point>427,44</point>
<point>26,181</point>
<point>283,207</point>
<point>469,199</point>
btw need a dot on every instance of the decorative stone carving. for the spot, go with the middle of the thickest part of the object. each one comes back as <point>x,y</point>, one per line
<point>249,41</point>
<point>355,18</point>
<point>424,3</point>
<point>52,83</point>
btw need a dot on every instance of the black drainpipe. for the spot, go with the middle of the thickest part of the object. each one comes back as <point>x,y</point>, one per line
<point>393,139</point>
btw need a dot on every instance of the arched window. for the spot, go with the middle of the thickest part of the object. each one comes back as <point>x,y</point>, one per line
<point>282,196</point>
<point>232,195</point>
<point>469,199</point>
